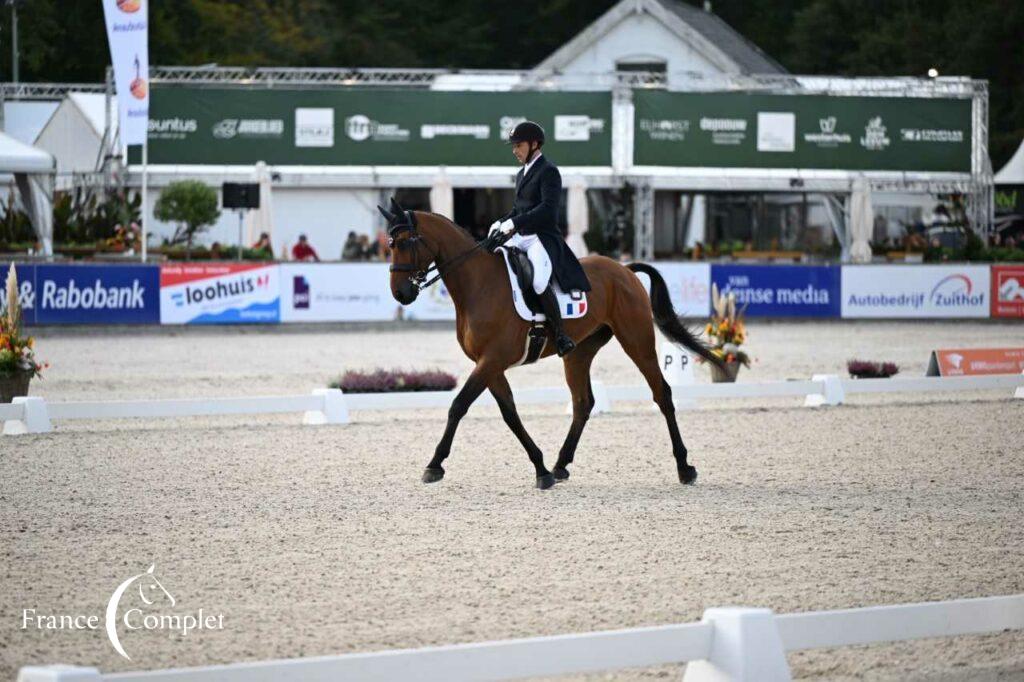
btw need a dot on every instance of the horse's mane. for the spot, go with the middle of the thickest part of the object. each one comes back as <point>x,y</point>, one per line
<point>454,224</point>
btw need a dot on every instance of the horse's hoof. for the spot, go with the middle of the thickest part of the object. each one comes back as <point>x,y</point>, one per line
<point>546,481</point>
<point>560,474</point>
<point>687,474</point>
<point>433,475</point>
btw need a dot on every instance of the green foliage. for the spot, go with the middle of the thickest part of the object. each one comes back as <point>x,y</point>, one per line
<point>192,205</point>
<point>15,227</point>
<point>86,218</point>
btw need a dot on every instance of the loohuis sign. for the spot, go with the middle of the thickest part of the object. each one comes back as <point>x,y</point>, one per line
<point>190,125</point>
<point>744,130</point>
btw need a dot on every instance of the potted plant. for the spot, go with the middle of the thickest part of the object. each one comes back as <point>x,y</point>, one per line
<point>389,381</point>
<point>865,369</point>
<point>726,331</point>
<point>18,363</point>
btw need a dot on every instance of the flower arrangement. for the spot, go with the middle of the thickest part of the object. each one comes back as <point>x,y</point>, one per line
<point>726,330</point>
<point>17,352</point>
<point>865,369</point>
<point>387,381</point>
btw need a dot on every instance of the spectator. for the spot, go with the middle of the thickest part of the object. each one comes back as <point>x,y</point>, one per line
<point>263,244</point>
<point>366,251</point>
<point>351,249</point>
<point>302,251</point>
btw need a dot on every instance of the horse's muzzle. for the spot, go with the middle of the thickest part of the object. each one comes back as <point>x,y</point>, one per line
<point>406,292</point>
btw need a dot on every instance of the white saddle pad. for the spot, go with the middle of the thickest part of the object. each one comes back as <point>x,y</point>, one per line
<point>572,305</point>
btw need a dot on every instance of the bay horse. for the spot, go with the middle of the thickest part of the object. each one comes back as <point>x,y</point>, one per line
<point>493,335</point>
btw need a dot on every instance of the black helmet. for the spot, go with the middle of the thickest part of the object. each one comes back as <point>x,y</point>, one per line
<point>527,131</point>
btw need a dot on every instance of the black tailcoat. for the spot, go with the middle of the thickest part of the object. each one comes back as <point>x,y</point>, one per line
<point>535,211</point>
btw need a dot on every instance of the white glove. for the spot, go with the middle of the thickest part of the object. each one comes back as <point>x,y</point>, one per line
<point>495,226</point>
<point>507,227</point>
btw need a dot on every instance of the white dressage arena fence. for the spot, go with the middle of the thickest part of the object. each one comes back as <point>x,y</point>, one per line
<point>740,644</point>
<point>332,406</point>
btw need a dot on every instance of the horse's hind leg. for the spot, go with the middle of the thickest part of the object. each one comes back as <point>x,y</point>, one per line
<point>638,342</point>
<point>577,374</point>
<point>502,393</point>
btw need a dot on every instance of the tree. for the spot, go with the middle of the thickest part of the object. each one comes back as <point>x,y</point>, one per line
<point>192,205</point>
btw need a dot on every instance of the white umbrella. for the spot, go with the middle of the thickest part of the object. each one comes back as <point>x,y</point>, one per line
<point>442,198</point>
<point>862,221</point>
<point>261,219</point>
<point>578,216</point>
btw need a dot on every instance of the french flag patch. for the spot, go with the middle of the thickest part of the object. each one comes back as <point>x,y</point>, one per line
<point>575,308</point>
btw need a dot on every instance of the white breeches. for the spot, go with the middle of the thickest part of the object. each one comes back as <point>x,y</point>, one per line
<point>538,255</point>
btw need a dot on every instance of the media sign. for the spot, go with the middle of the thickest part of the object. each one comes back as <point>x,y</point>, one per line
<point>1008,291</point>
<point>781,290</point>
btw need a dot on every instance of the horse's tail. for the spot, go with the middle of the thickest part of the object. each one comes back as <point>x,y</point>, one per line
<point>665,315</point>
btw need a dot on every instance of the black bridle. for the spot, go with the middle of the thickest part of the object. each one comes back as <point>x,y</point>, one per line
<point>419,275</point>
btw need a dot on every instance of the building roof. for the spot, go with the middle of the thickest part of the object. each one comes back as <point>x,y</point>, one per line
<point>749,57</point>
<point>1013,172</point>
<point>701,30</point>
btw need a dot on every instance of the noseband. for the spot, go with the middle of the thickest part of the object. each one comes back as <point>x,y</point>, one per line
<point>419,276</point>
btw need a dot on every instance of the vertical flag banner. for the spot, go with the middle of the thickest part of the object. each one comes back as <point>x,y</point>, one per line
<point>128,35</point>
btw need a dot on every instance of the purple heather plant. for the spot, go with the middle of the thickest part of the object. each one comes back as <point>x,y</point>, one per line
<point>865,369</point>
<point>386,381</point>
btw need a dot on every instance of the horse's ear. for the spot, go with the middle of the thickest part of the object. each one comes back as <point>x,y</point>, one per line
<point>396,207</point>
<point>390,217</point>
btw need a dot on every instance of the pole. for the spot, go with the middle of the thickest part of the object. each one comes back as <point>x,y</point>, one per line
<point>241,220</point>
<point>14,41</point>
<point>145,192</point>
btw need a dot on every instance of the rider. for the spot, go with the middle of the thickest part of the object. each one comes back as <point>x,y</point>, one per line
<point>534,220</point>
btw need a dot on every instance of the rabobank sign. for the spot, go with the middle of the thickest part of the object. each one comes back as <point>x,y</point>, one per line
<point>97,294</point>
<point>907,291</point>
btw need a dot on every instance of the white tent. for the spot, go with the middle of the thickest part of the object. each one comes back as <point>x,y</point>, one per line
<point>33,171</point>
<point>1013,172</point>
<point>261,220</point>
<point>442,197</point>
<point>862,221</point>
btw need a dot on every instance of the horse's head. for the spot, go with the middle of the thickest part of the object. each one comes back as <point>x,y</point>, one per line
<point>150,588</point>
<point>411,254</point>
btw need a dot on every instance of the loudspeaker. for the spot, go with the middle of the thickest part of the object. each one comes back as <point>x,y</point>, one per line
<point>241,195</point>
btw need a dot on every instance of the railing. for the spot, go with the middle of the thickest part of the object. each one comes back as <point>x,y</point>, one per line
<point>727,644</point>
<point>331,406</point>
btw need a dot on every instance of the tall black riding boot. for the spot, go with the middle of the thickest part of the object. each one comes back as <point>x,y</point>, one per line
<point>563,344</point>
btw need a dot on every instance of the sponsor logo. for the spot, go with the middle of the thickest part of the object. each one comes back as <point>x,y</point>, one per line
<point>746,294</point>
<point>220,290</point>
<point>26,296</point>
<point>431,130</point>
<point>172,128</point>
<point>314,127</point>
<point>507,123</point>
<point>94,297</point>
<point>248,127</point>
<point>1010,290</point>
<point>930,135</point>
<point>669,130</point>
<point>875,137</point>
<point>776,131</point>
<point>576,128</point>
<point>129,6</point>
<point>955,290</point>
<point>827,135</point>
<point>361,128</point>
<point>300,295</point>
<point>151,610</point>
<point>725,130</point>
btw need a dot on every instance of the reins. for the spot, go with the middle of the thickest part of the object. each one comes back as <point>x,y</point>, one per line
<point>419,277</point>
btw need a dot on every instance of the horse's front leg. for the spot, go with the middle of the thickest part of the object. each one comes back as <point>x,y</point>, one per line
<point>471,390</point>
<point>502,393</point>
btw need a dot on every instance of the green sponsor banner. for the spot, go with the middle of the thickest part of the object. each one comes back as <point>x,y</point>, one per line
<point>191,125</point>
<point>744,130</point>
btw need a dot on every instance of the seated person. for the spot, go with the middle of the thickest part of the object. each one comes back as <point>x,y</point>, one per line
<point>302,251</point>
<point>351,251</point>
<point>263,244</point>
